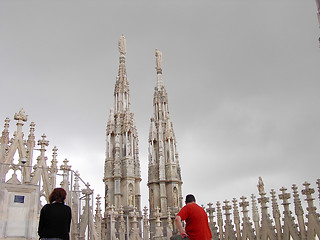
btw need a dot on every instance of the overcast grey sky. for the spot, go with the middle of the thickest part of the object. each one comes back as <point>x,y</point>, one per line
<point>242,78</point>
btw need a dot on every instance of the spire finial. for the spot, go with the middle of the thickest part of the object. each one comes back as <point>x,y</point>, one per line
<point>159,60</point>
<point>159,68</point>
<point>6,124</point>
<point>261,186</point>
<point>122,45</point>
<point>21,117</point>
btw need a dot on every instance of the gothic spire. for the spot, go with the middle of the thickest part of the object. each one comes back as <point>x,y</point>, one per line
<point>160,97</point>
<point>159,68</point>
<point>121,91</point>
<point>164,178</point>
<point>122,167</point>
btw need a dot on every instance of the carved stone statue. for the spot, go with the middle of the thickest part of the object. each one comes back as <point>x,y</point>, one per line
<point>158,58</point>
<point>175,199</point>
<point>261,186</point>
<point>122,45</point>
<point>152,200</point>
<point>128,148</point>
<point>130,198</point>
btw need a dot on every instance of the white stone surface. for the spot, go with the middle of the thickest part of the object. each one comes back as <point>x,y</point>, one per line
<point>18,220</point>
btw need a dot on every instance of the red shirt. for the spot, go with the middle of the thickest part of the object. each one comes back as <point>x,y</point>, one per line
<point>196,218</point>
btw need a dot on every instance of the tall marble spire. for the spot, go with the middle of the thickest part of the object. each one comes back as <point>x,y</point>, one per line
<point>164,177</point>
<point>122,167</point>
<point>121,90</point>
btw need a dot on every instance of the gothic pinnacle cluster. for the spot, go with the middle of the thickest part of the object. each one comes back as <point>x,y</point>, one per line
<point>122,168</point>
<point>164,175</point>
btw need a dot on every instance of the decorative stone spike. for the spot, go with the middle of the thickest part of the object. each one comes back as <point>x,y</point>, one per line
<point>146,228</point>
<point>247,230</point>
<point>284,197</point>
<point>313,224</point>
<point>112,219</point>
<point>98,215</point>
<point>220,220</point>
<point>6,124</point>
<point>145,212</point>
<point>76,185</point>
<point>31,137</point>
<point>236,217</point>
<point>276,214</point>
<point>169,224</point>
<point>20,117</point>
<point>66,168</point>
<point>6,127</point>
<point>30,143</point>
<point>267,229</point>
<point>134,223</point>
<point>297,201</point>
<point>244,205</point>
<point>210,210</point>
<point>32,126</point>
<point>226,208</point>
<point>318,183</point>
<point>54,162</point>
<point>229,233</point>
<point>308,192</point>
<point>65,165</point>
<point>158,234</point>
<point>4,147</point>
<point>122,227</point>
<point>54,167</point>
<point>290,228</point>
<point>43,142</point>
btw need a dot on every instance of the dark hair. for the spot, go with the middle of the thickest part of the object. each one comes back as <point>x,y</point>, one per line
<point>58,195</point>
<point>190,198</point>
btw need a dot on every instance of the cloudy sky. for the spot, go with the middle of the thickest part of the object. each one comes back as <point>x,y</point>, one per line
<point>242,78</point>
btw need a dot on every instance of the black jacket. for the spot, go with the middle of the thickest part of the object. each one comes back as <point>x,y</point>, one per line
<point>55,221</point>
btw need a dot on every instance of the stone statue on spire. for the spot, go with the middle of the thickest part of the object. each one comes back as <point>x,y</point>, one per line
<point>261,186</point>
<point>122,45</point>
<point>158,59</point>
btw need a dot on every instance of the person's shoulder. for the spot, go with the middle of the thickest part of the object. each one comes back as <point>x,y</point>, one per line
<point>67,207</point>
<point>62,205</point>
<point>59,205</point>
<point>46,206</point>
<point>194,205</point>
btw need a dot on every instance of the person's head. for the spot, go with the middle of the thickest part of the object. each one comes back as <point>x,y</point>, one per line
<point>58,195</point>
<point>190,199</point>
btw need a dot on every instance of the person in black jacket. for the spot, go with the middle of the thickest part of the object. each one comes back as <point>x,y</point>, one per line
<point>55,217</point>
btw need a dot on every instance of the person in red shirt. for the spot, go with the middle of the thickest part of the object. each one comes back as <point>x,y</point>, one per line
<point>197,227</point>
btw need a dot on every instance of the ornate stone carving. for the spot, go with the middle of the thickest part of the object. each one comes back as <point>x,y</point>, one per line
<point>122,45</point>
<point>158,59</point>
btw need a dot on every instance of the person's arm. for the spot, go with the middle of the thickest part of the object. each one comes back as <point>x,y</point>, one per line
<point>183,234</point>
<point>41,222</point>
<point>69,218</point>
